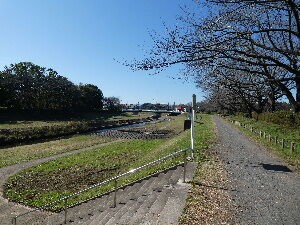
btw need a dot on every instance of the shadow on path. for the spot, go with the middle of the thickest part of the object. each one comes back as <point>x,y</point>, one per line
<point>279,168</point>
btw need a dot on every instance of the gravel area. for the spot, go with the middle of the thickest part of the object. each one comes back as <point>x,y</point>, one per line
<point>264,189</point>
<point>137,133</point>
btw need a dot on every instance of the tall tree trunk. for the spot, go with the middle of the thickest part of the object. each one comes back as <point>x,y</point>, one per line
<point>297,106</point>
<point>294,102</point>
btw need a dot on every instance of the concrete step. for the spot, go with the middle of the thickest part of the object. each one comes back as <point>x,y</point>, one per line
<point>174,204</point>
<point>122,197</point>
<point>140,210</point>
<point>154,200</point>
<point>134,196</point>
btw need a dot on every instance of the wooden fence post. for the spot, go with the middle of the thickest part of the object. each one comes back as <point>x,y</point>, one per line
<point>293,146</point>
<point>283,143</point>
<point>276,140</point>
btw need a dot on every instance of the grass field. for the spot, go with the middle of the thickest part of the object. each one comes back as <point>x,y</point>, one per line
<point>289,134</point>
<point>49,181</point>
<point>19,132</point>
<point>24,153</point>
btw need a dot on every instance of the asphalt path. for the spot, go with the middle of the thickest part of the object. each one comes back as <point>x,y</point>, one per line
<point>264,189</point>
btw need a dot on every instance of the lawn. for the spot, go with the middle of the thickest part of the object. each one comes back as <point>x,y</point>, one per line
<point>289,134</point>
<point>24,153</point>
<point>49,181</point>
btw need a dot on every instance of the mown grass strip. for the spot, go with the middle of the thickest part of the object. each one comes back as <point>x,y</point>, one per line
<point>52,180</point>
<point>281,132</point>
<point>24,153</point>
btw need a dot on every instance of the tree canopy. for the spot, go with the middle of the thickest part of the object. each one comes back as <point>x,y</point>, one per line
<point>26,86</point>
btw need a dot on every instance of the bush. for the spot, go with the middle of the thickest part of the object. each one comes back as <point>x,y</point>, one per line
<point>285,118</point>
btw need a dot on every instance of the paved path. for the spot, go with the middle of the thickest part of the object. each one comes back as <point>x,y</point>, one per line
<point>264,189</point>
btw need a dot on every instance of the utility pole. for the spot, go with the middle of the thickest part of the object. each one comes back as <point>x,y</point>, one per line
<point>193,125</point>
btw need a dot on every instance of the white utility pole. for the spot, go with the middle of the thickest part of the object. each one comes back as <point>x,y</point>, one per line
<point>193,124</point>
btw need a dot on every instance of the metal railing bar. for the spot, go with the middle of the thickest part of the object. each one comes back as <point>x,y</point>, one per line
<point>126,185</point>
<point>103,182</point>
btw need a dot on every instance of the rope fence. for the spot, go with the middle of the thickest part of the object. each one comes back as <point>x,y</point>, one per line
<point>284,144</point>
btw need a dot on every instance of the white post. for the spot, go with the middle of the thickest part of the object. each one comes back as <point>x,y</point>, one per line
<point>193,124</point>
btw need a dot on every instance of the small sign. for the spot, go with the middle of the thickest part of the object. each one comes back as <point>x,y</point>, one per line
<point>187,125</point>
<point>194,101</point>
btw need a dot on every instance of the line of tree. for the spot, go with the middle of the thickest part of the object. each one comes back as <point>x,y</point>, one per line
<point>25,86</point>
<point>245,53</point>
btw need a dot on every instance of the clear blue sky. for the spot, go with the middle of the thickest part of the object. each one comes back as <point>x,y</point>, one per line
<point>80,39</point>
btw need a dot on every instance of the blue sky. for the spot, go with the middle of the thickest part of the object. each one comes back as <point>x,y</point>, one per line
<point>80,39</point>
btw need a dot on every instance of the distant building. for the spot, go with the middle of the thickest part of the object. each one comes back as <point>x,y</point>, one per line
<point>181,108</point>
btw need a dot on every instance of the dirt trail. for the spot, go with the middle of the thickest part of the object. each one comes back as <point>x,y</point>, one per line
<point>265,190</point>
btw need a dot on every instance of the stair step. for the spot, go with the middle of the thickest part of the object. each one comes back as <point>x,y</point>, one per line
<point>132,197</point>
<point>139,210</point>
<point>145,208</point>
<point>153,200</point>
<point>174,204</point>
<point>107,211</point>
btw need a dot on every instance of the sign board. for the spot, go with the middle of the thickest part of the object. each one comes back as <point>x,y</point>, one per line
<point>194,102</point>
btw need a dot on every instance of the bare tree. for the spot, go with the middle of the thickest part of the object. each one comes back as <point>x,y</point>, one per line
<point>259,36</point>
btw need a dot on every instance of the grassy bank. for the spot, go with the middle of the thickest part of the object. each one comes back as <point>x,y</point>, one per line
<point>24,153</point>
<point>30,123</point>
<point>281,132</point>
<point>38,185</point>
<point>16,132</point>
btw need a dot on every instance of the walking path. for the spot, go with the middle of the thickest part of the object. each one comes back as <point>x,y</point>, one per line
<point>265,190</point>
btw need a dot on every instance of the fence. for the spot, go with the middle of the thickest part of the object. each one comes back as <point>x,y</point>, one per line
<point>115,179</point>
<point>262,134</point>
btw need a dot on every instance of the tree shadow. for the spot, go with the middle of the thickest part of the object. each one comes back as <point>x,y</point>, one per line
<point>279,168</point>
<point>197,183</point>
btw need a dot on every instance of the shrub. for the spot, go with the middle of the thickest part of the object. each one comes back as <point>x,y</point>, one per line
<point>285,118</point>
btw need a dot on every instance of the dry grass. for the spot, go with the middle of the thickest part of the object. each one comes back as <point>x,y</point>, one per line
<point>209,201</point>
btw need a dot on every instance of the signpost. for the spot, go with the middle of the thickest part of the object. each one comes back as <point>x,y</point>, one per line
<point>193,124</point>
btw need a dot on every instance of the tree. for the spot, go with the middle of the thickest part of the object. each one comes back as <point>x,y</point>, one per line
<point>112,104</point>
<point>26,86</point>
<point>91,97</point>
<point>233,32</point>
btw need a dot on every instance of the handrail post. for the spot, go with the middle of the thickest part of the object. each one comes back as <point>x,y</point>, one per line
<point>184,167</point>
<point>14,221</point>
<point>115,195</point>
<point>66,207</point>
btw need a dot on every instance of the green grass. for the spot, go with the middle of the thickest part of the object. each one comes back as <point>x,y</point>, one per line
<point>289,134</point>
<point>49,181</point>
<point>24,153</point>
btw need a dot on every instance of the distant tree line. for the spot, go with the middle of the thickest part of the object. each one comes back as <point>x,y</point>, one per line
<point>244,53</point>
<point>25,86</point>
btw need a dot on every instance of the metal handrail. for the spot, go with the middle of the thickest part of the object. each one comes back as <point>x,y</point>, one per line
<point>65,198</point>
